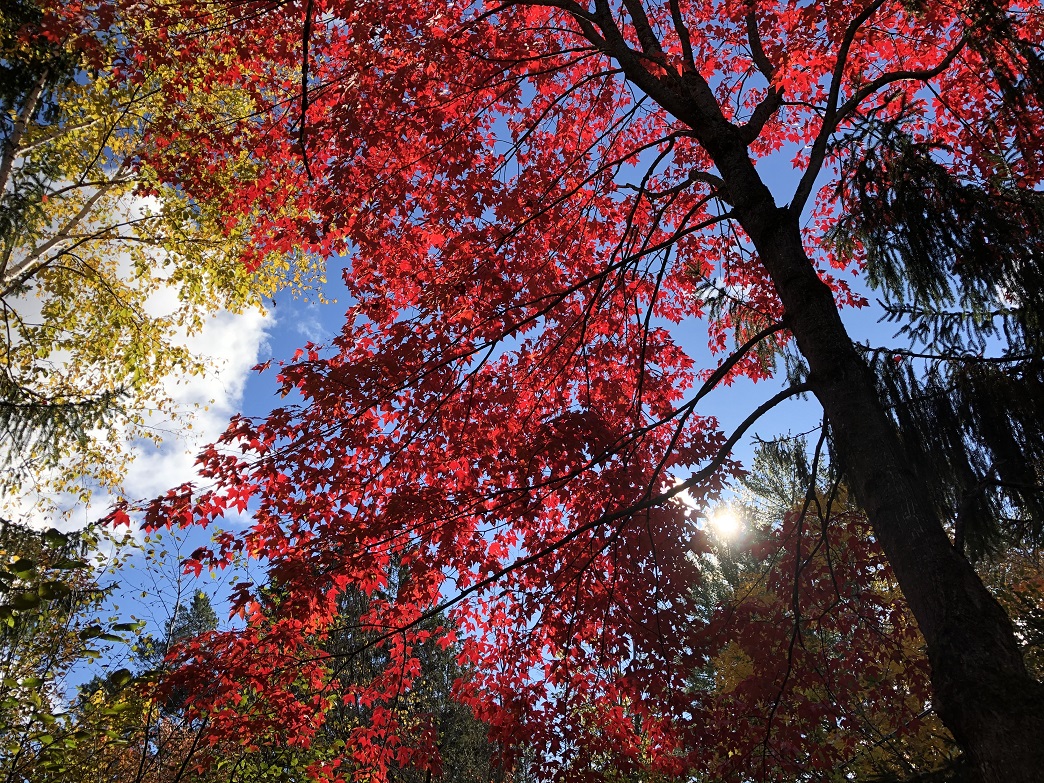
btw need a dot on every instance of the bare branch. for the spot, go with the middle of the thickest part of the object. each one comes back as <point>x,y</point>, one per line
<point>306,37</point>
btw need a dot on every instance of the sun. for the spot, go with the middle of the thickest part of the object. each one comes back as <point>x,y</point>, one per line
<point>725,521</point>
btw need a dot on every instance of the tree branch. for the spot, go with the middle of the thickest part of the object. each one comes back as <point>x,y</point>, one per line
<point>649,501</point>
<point>819,146</point>
<point>922,75</point>
<point>646,36</point>
<point>37,260</point>
<point>306,36</point>
<point>757,50</point>
<point>683,36</point>
<point>11,144</point>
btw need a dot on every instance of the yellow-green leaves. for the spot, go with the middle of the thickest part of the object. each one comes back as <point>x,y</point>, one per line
<point>104,270</point>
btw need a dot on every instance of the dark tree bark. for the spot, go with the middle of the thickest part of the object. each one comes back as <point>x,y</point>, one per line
<point>984,693</point>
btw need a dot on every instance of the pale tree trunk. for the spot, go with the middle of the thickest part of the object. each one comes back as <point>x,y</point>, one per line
<point>13,143</point>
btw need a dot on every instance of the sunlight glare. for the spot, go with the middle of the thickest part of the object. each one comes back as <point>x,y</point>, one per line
<point>726,522</point>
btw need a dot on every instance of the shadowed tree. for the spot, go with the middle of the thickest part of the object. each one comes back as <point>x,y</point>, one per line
<point>50,624</point>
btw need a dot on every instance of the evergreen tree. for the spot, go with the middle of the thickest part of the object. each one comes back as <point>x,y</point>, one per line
<point>959,262</point>
<point>185,623</point>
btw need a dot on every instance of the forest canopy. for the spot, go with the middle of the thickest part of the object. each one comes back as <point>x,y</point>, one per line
<point>507,452</point>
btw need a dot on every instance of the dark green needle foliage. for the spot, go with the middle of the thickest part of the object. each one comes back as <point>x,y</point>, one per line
<point>33,426</point>
<point>975,433</point>
<point>186,622</point>
<point>958,262</point>
<point>427,708</point>
<point>960,266</point>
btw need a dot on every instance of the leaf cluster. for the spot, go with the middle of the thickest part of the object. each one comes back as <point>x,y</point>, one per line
<point>49,624</point>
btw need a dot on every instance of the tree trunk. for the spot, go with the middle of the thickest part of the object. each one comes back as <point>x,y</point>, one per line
<point>983,692</point>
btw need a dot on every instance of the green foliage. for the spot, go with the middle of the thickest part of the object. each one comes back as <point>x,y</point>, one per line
<point>124,729</point>
<point>977,429</point>
<point>49,623</point>
<point>957,258</point>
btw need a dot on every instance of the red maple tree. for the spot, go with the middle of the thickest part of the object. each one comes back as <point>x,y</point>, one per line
<point>530,193</point>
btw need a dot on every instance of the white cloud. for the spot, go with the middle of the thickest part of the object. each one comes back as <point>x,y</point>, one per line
<point>231,344</point>
<point>308,325</point>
